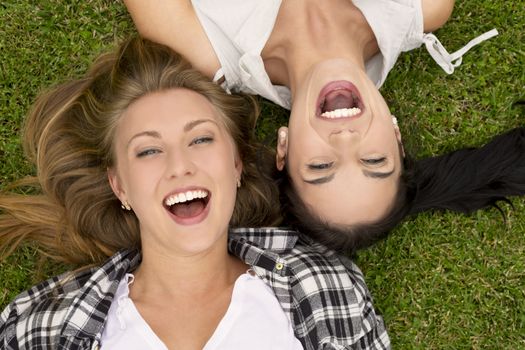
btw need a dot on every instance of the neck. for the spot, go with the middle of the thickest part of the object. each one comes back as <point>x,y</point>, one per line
<point>172,275</point>
<point>302,60</point>
<point>299,39</point>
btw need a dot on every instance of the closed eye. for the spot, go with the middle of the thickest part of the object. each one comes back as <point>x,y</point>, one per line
<point>373,161</point>
<point>320,166</point>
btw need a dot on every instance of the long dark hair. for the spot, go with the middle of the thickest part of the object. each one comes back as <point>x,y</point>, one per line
<point>464,180</point>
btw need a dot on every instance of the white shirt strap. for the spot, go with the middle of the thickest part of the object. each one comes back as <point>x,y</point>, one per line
<point>449,61</point>
<point>218,76</point>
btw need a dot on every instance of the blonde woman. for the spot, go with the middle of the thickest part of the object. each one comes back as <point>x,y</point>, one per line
<point>146,173</point>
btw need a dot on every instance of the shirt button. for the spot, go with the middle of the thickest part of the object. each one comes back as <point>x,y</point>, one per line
<point>279,266</point>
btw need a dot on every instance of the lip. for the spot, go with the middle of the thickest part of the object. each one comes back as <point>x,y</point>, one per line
<point>194,219</point>
<point>334,86</point>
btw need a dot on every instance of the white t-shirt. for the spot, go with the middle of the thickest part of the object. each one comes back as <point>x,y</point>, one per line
<point>254,320</point>
<point>239,29</point>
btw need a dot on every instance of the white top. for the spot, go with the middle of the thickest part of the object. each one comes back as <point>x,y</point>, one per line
<point>239,29</point>
<point>254,320</point>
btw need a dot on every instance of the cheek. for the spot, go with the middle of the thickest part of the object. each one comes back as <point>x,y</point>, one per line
<point>218,160</point>
<point>218,167</point>
<point>141,179</point>
<point>383,134</point>
<point>306,142</point>
<point>304,148</point>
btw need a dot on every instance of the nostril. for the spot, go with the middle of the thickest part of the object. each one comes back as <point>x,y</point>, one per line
<point>344,131</point>
<point>343,135</point>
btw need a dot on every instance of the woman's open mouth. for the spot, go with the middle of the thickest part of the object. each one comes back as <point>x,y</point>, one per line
<point>339,99</point>
<point>188,207</point>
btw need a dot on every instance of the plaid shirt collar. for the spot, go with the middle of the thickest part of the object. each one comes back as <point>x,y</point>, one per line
<point>86,315</point>
<point>263,247</point>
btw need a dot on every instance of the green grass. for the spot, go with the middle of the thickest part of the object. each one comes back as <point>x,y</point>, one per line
<point>442,280</point>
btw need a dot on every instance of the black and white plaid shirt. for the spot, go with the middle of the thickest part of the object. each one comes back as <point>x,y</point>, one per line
<point>323,294</point>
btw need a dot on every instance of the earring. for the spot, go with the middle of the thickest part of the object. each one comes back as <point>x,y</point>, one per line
<point>394,121</point>
<point>125,206</point>
<point>282,137</point>
<point>238,183</point>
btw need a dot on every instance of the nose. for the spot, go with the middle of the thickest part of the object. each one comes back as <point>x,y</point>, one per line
<point>344,136</point>
<point>179,164</point>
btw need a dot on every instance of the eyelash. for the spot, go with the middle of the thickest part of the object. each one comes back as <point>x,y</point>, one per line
<point>321,166</point>
<point>373,161</point>
<point>147,152</point>
<point>200,140</point>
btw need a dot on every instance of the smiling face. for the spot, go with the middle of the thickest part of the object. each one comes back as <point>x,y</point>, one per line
<point>177,167</point>
<point>342,149</point>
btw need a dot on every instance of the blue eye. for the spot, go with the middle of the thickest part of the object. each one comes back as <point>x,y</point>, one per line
<point>373,161</point>
<point>147,152</point>
<point>200,140</point>
<point>320,166</point>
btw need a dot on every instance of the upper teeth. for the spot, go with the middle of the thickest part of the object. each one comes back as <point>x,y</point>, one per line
<point>185,196</point>
<point>341,113</point>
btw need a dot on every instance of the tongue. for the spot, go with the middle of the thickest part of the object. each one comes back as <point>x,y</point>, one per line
<point>188,209</point>
<point>338,99</point>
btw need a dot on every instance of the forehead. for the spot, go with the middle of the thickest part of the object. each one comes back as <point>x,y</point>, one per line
<point>173,103</point>
<point>168,114</point>
<point>350,197</point>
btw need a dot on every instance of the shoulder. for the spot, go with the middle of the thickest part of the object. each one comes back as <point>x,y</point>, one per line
<point>309,255</point>
<point>332,288</point>
<point>314,285</point>
<point>70,304</point>
<point>175,24</point>
<point>320,271</point>
<point>37,311</point>
<point>436,13</point>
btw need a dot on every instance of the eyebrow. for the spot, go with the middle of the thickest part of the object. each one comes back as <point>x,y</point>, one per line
<point>144,133</point>
<point>156,134</point>
<point>194,123</point>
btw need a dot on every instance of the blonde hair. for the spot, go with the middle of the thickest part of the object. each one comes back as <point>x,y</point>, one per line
<point>74,215</point>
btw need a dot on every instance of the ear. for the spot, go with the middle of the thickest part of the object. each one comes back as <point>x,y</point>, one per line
<point>282,147</point>
<point>399,139</point>
<point>238,166</point>
<point>115,184</point>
